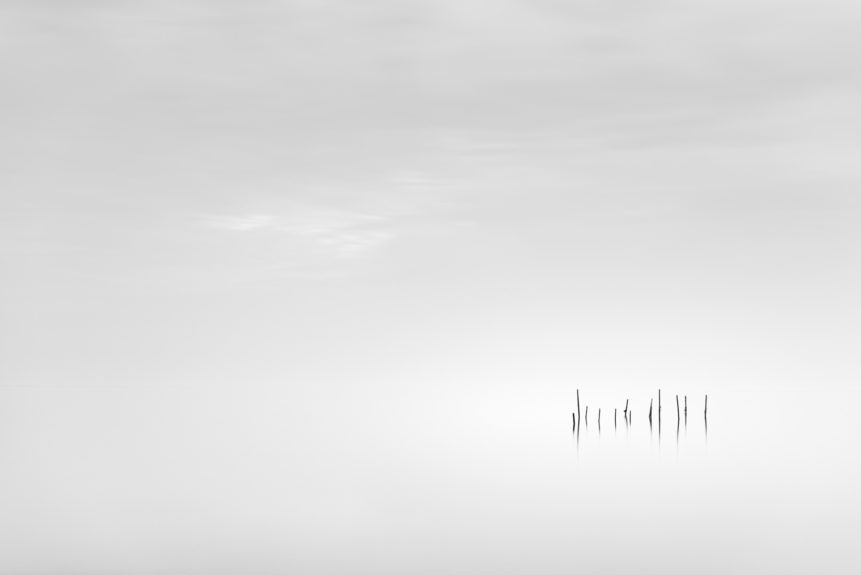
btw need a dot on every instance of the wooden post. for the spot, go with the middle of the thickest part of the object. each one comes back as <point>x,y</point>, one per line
<point>578,406</point>
<point>706,410</point>
<point>650,410</point>
<point>574,417</point>
<point>626,410</point>
<point>599,419</point>
<point>678,412</point>
<point>587,416</point>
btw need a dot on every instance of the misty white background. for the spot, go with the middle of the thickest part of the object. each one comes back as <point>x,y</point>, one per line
<point>259,258</point>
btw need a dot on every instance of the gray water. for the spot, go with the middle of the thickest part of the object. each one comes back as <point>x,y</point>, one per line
<point>123,481</point>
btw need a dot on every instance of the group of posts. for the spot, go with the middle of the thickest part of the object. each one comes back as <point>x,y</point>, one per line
<point>575,416</point>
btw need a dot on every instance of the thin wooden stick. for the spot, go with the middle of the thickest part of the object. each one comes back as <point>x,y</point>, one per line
<point>626,409</point>
<point>650,409</point>
<point>578,406</point>
<point>587,416</point>
<point>678,413</point>
<point>706,410</point>
<point>574,417</point>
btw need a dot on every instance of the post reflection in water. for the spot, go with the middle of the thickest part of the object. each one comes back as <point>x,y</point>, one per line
<point>627,412</point>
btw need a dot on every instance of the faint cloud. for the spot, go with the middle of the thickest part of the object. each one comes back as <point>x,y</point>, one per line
<point>339,232</point>
<point>320,222</point>
<point>353,243</point>
<point>332,231</point>
<point>241,223</point>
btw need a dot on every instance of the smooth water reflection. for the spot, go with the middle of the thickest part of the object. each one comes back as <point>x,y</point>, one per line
<point>764,484</point>
<point>478,486</point>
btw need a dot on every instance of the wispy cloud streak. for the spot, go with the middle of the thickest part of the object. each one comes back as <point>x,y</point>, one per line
<point>334,232</point>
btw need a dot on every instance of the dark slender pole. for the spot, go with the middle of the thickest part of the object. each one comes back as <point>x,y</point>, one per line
<point>659,405</point>
<point>678,412</point>
<point>578,407</point>
<point>651,400</point>
<point>686,405</point>
<point>615,424</point>
<point>626,409</point>
<point>599,420</point>
<point>574,417</point>
<point>587,416</point>
<point>706,410</point>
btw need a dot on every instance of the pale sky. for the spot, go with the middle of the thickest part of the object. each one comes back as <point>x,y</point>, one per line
<point>186,180</point>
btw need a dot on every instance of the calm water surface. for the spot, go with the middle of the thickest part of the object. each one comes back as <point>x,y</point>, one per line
<point>245,483</point>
